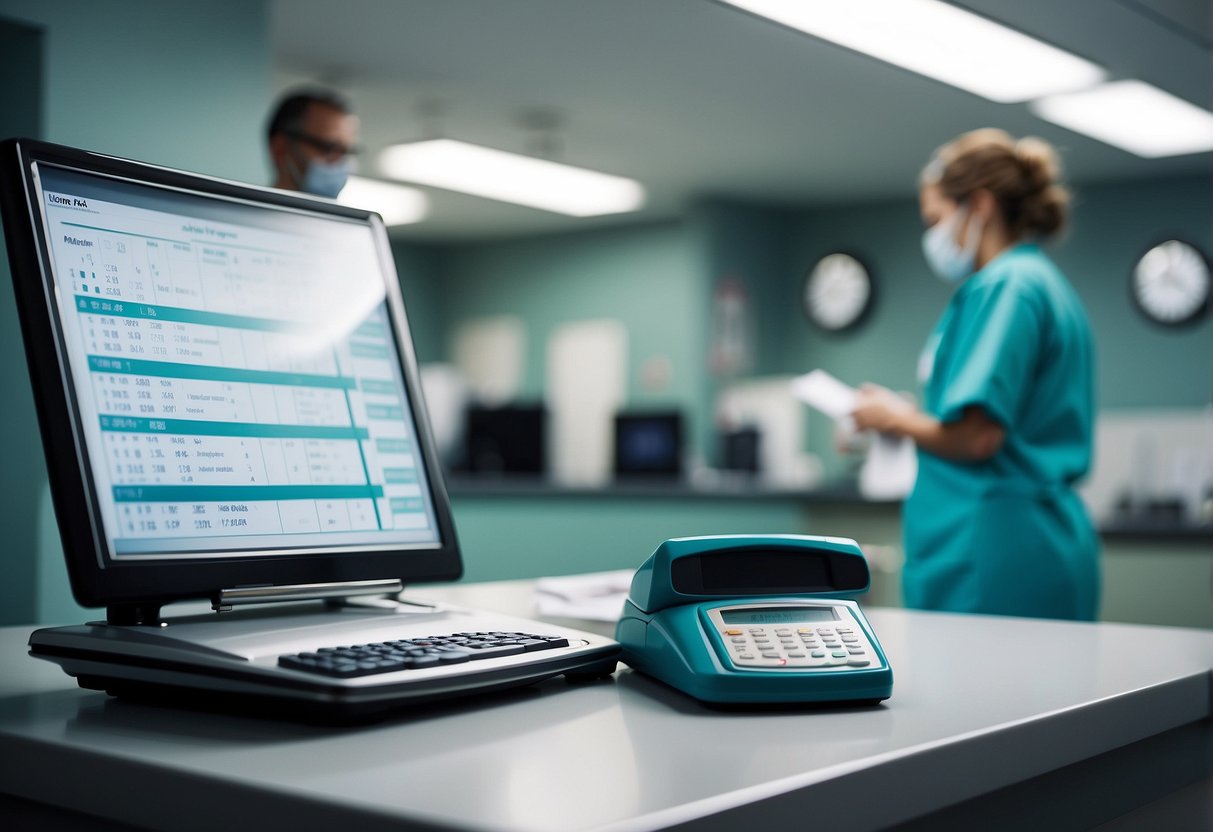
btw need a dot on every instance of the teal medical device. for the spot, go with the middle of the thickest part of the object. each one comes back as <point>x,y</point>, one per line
<point>749,619</point>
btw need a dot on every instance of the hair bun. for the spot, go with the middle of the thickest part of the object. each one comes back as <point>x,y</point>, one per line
<point>1039,163</point>
<point>1022,175</point>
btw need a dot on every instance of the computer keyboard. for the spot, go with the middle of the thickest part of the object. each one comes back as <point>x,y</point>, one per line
<point>413,654</point>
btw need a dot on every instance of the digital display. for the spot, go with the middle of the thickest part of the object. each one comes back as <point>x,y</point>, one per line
<point>779,615</point>
<point>237,380</point>
<point>753,572</point>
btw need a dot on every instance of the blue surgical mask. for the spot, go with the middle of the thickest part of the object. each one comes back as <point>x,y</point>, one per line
<point>952,262</point>
<point>326,178</point>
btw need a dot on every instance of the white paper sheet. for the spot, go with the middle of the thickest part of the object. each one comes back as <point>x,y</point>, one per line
<point>891,467</point>
<point>597,596</point>
<point>822,391</point>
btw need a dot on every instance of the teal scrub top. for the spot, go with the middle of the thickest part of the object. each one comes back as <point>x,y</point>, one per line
<point>1008,535</point>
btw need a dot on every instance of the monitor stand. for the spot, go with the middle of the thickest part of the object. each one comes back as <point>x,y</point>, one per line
<point>382,595</point>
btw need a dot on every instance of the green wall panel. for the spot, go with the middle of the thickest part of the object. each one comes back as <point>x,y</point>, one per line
<point>526,537</point>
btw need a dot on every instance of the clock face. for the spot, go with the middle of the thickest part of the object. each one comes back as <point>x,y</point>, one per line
<point>838,292</point>
<point>1170,283</point>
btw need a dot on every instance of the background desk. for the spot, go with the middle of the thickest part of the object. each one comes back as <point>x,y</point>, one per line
<point>994,722</point>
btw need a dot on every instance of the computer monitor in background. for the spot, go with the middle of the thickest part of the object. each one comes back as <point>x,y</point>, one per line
<point>506,440</point>
<point>648,444</point>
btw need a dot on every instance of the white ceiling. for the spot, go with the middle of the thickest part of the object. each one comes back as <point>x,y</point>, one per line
<point>694,98</point>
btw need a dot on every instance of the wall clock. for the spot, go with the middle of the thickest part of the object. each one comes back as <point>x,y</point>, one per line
<point>838,292</point>
<point>1170,283</point>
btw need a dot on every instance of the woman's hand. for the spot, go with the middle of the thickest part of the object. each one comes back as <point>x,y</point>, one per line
<point>880,409</point>
<point>971,438</point>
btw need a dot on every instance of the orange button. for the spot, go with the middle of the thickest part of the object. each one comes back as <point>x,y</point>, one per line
<point>732,632</point>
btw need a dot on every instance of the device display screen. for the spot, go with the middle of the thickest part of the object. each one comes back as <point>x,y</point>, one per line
<point>237,381</point>
<point>752,572</point>
<point>779,615</point>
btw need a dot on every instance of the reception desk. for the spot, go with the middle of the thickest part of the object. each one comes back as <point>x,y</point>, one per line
<point>995,723</point>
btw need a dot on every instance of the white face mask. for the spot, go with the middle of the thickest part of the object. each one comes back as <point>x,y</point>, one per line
<point>319,177</point>
<point>952,262</point>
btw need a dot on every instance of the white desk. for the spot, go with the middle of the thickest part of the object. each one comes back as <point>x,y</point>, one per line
<point>1012,721</point>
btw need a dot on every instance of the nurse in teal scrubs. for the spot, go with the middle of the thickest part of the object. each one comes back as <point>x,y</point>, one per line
<point>993,524</point>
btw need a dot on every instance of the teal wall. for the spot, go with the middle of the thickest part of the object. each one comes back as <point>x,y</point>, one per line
<point>179,84</point>
<point>529,537</point>
<point>421,270</point>
<point>646,277</point>
<point>20,115</point>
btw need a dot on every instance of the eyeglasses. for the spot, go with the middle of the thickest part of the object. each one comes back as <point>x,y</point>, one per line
<point>331,151</point>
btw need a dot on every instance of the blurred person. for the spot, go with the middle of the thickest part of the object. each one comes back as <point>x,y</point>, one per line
<point>993,524</point>
<point>312,136</point>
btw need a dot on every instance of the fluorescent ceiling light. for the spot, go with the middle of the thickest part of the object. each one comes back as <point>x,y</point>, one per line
<point>940,41</point>
<point>523,180</point>
<point>1134,116</point>
<point>397,204</point>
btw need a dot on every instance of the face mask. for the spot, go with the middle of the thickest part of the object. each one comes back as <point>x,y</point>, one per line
<point>326,178</point>
<point>952,262</point>
<point>319,178</point>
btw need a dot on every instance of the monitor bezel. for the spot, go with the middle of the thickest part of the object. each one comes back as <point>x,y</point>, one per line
<point>96,580</point>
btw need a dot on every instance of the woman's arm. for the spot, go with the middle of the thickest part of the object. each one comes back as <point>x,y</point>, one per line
<point>972,438</point>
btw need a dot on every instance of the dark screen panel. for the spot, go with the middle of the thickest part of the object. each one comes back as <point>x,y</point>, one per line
<point>753,572</point>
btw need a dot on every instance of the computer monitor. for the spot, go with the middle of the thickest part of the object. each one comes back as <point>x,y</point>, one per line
<point>648,444</point>
<point>511,439</point>
<point>225,382</point>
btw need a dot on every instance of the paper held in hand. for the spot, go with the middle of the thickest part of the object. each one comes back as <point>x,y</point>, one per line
<point>822,391</point>
<point>891,466</point>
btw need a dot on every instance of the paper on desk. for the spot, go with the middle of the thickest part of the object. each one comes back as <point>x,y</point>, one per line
<point>821,390</point>
<point>597,596</point>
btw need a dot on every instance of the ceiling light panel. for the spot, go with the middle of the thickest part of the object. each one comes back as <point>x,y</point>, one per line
<point>1134,116</point>
<point>940,41</point>
<point>509,177</point>
<point>397,204</point>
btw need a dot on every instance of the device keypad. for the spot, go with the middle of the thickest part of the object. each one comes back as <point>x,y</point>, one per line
<point>837,645</point>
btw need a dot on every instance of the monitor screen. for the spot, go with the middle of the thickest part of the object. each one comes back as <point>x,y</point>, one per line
<point>648,444</point>
<point>506,440</point>
<point>235,375</point>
